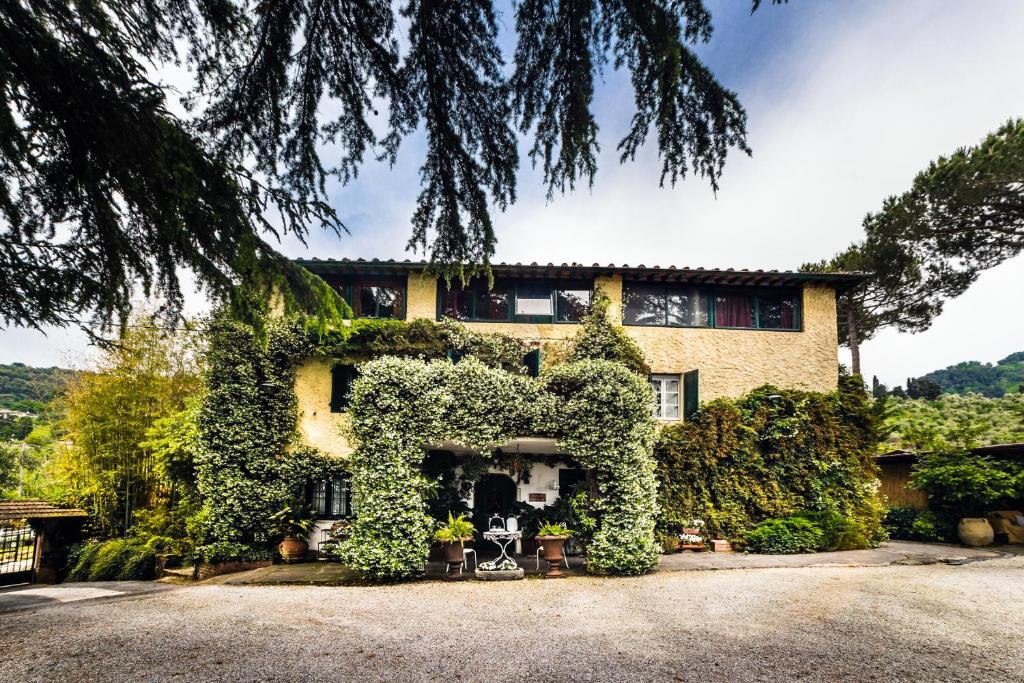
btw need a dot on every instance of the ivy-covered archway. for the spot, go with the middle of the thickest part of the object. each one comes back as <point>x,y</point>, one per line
<point>598,411</point>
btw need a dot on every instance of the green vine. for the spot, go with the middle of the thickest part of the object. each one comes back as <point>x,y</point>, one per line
<point>771,454</point>
<point>598,410</point>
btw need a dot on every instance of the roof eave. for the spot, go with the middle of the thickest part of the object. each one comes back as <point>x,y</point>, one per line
<point>841,282</point>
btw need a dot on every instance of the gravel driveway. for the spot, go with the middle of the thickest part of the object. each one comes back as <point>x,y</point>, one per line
<point>934,622</point>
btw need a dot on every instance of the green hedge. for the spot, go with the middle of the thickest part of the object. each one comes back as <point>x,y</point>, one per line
<point>230,552</point>
<point>775,453</point>
<point>908,524</point>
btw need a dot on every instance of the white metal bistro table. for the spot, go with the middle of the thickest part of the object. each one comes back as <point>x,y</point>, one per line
<point>501,538</point>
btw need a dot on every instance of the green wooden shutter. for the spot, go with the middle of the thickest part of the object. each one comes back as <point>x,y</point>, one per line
<point>341,383</point>
<point>691,394</point>
<point>532,362</point>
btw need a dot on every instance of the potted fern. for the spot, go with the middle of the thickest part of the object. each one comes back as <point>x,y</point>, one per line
<point>552,538</point>
<point>453,536</point>
<point>293,523</point>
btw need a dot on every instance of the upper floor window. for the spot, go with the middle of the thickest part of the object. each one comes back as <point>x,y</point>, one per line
<point>726,307</point>
<point>375,297</point>
<point>537,301</point>
<point>664,306</point>
<point>758,309</point>
<point>476,301</point>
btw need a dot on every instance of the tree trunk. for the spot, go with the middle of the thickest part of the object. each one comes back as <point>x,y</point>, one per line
<point>852,339</point>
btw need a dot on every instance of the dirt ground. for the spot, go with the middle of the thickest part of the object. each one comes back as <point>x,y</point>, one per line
<point>923,623</point>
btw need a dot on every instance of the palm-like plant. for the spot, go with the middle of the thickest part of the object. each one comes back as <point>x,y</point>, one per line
<point>294,520</point>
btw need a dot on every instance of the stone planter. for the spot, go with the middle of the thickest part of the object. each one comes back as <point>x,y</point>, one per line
<point>500,575</point>
<point>293,550</point>
<point>553,554</point>
<point>975,531</point>
<point>205,571</point>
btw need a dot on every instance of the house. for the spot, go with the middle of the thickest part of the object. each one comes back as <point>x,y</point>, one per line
<point>706,333</point>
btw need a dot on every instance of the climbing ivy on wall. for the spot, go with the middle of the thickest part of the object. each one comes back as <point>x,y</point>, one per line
<point>773,453</point>
<point>246,468</point>
<point>250,462</point>
<point>602,416</point>
<point>598,410</point>
<point>365,339</point>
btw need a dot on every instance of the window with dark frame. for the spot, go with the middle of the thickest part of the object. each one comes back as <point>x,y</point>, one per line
<point>526,301</point>
<point>373,297</point>
<point>723,307</point>
<point>330,498</point>
<point>342,377</point>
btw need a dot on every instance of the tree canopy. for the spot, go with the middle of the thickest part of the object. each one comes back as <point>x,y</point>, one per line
<point>962,214</point>
<point>105,188</point>
<point>993,380</point>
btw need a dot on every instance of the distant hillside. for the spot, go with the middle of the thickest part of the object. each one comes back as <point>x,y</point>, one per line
<point>23,387</point>
<point>987,379</point>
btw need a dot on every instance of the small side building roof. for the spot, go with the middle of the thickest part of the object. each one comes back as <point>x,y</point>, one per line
<point>35,509</point>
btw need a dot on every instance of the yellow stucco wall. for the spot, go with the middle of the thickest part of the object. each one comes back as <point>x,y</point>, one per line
<point>318,426</point>
<point>731,362</point>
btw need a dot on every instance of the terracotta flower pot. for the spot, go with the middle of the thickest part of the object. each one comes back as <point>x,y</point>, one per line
<point>293,549</point>
<point>975,531</point>
<point>453,554</point>
<point>553,554</point>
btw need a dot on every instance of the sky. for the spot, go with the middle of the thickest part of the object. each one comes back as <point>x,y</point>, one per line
<point>846,102</point>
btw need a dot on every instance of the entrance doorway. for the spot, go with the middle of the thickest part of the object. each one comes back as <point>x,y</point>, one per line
<point>493,494</point>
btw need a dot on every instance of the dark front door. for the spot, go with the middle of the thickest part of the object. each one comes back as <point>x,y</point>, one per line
<point>493,495</point>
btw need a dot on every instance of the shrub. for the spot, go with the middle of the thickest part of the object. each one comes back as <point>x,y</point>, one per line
<point>669,544</point>
<point>785,536</point>
<point>80,560</point>
<point>771,454</point>
<point>600,339</point>
<point>908,524</point>
<point>138,565</point>
<point>966,485</point>
<point>115,560</point>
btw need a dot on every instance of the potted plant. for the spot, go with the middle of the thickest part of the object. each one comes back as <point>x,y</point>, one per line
<point>336,535</point>
<point>293,523</point>
<point>552,538</point>
<point>453,536</point>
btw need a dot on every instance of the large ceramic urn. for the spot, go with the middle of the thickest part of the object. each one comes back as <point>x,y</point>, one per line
<point>553,554</point>
<point>293,549</point>
<point>975,531</point>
